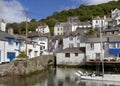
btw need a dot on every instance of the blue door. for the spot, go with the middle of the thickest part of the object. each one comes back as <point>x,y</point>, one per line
<point>11,55</point>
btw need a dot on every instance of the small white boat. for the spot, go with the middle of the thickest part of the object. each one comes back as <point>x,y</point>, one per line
<point>106,77</point>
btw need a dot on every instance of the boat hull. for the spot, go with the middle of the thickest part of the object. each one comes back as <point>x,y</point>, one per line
<point>106,77</point>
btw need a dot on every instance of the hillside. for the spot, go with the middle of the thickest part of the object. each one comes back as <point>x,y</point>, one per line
<point>84,12</point>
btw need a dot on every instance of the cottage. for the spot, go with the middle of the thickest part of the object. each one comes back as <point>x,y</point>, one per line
<point>114,47</point>
<point>94,50</point>
<point>98,23</point>
<point>41,39</point>
<point>115,15</point>
<point>9,47</point>
<point>62,28</point>
<point>74,39</point>
<point>71,57</point>
<point>43,29</point>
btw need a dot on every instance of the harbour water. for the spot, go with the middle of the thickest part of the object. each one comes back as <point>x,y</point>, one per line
<point>53,77</point>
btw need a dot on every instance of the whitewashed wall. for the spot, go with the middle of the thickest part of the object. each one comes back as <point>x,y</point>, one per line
<point>32,47</point>
<point>72,60</point>
<point>43,30</point>
<point>5,47</point>
<point>75,42</point>
<point>60,31</point>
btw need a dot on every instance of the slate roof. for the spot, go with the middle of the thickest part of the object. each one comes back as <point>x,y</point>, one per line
<point>114,38</point>
<point>38,34</point>
<point>73,50</point>
<point>74,33</point>
<point>110,30</point>
<point>95,39</point>
<point>5,35</point>
<point>84,23</point>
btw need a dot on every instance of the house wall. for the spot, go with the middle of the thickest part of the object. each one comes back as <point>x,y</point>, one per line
<point>117,20</point>
<point>72,60</point>
<point>5,47</point>
<point>96,24</point>
<point>75,42</point>
<point>58,30</point>
<point>32,50</point>
<point>43,29</point>
<point>43,42</point>
<point>91,51</point>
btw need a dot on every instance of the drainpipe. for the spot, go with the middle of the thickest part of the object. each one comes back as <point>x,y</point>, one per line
<point>4,51</point>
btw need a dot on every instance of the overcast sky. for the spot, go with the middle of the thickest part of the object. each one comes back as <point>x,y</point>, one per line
<point>14,10</point>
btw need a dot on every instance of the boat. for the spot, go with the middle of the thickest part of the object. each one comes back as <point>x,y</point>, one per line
<point>99,77</point>
<point>106,77</point>
<point>99,83</point>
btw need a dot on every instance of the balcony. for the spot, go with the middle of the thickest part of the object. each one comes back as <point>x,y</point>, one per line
<point>114,50</point>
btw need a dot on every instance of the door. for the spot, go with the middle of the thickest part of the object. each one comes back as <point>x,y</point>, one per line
<point>11,56</point>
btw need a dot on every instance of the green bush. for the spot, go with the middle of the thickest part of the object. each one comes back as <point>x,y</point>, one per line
<point>22,55</point>
<point>15,63</point>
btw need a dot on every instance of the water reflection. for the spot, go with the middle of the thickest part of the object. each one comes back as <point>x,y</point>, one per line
<point>58,77</point>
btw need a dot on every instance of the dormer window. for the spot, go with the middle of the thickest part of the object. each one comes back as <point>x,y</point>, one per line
<point>10,41</point>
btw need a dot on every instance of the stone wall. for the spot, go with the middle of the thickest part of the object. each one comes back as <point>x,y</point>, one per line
<point>23,67</point>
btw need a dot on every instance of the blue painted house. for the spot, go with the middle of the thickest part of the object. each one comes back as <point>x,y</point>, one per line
<point>9,46</point>
<point>114,46</point>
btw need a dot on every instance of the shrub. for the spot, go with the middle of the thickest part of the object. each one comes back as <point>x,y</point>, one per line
<point>22,55</point>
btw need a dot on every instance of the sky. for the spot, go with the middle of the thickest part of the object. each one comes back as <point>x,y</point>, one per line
<point>14,10</point>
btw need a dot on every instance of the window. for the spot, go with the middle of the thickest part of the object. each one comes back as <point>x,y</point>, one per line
<point>35,53</point>
<point>78,44</point>
<point>10,41</point>
<point>34,45</point>
<point>96,21</point>
<point>78,37</point>
<point>71,45</point>
<point>92,45</point>
<point>42,39</point>
<point>67,54</point>
<point>97,55</point>
<point>29,52</point>
<point>76,54</point>
<point>71,38</point>
<point>41,48</point>
<point>17,43</point>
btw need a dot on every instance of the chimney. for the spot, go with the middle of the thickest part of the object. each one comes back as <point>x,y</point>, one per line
<point>2,25</point>
<point>10,31</point>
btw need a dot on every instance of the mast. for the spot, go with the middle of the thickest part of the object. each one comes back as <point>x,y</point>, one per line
<point>101,42</point>
<point>26,29</point>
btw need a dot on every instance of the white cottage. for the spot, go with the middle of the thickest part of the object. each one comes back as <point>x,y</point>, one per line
<point>98,23</point>
<point>9,47</point>
<point>70,57</point>
<point>43,29</point>
<point>94,50</point>
<point>115,15</point>
<point>41,39</point>
<point>62,28</point>
<point>74,39</point>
